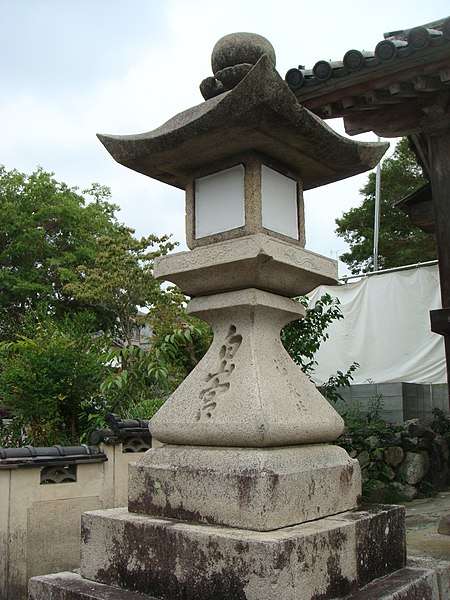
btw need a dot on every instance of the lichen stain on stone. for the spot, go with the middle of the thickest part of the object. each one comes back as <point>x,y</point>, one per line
<point>283,558</point>
<point>246,486</point>
<point>337,539</point>
<point>312,489</point>
<point>409,583</point>
<point>85,532</point>
<point>145,504</point>
<point>386,552</point>
<point>147,507</point>
<point>224,586</point>
<point>338,584</point>
<point>301,555</point>
<point>241,547</point>
<point>157,574</point>
<point>345,479</point>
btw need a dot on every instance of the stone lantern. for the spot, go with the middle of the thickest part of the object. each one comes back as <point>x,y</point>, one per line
<point>248,497</point>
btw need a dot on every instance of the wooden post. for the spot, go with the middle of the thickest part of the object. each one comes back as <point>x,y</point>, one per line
<point>437,150</point>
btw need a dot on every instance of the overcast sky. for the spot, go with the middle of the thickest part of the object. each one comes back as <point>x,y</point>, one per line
<point>72,68</point>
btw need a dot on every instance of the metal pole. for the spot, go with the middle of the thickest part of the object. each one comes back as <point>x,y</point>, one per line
<point>376,227</point>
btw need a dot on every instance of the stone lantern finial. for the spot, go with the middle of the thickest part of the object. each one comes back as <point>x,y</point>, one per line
<point>234,56</point>
<point>240,48</point>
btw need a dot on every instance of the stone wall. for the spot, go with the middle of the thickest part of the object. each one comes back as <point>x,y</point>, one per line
<point>400,462</point>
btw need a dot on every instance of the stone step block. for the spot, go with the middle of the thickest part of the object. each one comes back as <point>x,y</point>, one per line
<point>174,560</point>
<point>258,488</point>
<point>421,579</point>
<point>70,586</point>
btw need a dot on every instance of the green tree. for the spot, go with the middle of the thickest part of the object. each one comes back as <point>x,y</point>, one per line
<point>400,242</point>
<point>46,231</point>
<point>50,377</point>
<point>120,280</point>
<point>303,337</point>
<point>143,379</point>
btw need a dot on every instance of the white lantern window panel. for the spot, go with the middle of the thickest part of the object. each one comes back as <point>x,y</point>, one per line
<point>219,202</point>
<point>279,203</point>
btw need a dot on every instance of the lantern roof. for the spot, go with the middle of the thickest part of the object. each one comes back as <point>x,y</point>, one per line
<point>260,114</point>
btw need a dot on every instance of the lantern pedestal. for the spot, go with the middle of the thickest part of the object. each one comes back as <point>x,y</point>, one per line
<point>265,488</point>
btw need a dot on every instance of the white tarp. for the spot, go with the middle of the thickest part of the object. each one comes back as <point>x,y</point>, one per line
<point>386,329</point>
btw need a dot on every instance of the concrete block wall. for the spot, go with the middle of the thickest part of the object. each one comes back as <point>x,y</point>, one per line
<point>399,401</point>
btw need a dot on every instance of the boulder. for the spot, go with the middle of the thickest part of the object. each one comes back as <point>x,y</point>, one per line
<point>372,442</point>
<point>363,459</point>
<point>444,525</point>
<point>377,493</point>
<point>414,467</point>
<point>394,455</point>
<point>405,491</point>
<point>417,428</point>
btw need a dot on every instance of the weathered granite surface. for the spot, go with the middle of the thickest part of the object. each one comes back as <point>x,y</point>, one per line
<point>169,559</point>
<point>255,261</point>
<point>252,488</point>
<point>240,48</point>
<point>420,578</point>
<point>260,114</point>
<point>233,56</point>
<point>246,391</point>
<point>71,586</point>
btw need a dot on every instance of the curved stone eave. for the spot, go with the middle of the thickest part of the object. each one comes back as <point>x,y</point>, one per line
<point>260,114</point>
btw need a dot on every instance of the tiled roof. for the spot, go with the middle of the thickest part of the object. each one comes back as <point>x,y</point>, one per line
<point>51,455</point>
<point>407,66</point>
<point>134,434</point>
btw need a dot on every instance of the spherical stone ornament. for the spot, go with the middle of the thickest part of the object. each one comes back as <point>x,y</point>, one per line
<point>239,48</point>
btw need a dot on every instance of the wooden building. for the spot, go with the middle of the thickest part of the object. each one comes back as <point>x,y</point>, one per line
<point>401,88</point>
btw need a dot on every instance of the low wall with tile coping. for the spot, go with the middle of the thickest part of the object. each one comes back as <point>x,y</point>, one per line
<point>40,523</point>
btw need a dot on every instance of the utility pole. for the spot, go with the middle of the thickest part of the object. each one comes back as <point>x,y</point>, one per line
<point>376,227</point>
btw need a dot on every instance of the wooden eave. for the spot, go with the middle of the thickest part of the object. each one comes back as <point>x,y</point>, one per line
<point>419,207</point>
<point>386,83</point>
<point>402,96</point>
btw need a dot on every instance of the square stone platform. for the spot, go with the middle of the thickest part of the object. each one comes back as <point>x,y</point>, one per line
<point>168,559</point>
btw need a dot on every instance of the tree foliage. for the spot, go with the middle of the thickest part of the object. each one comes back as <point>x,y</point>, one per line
<point>303,337</point>
<point>69,251</point>
<point>120,280</point>
<point>46,231</point>
<point>50,377</point>
<point>62,257</point>
<point>143,379</point>
<point>400,242</point>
